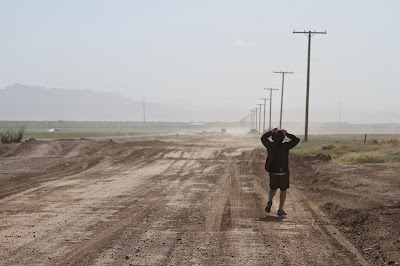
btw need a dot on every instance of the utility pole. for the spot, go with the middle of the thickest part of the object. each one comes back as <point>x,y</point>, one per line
<point>270,104</point>
<point>283,82</point>
<point>309,34</point>
<point>259,116</point>
<point>251,119</point>
<point>255,110</point>
<point>144,110</point>
<point>249,122</point>
<point>265,105</point>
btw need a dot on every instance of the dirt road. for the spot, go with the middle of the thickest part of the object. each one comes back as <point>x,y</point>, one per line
<point>192,200</point>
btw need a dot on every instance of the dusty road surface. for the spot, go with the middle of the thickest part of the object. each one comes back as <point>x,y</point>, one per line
<point>167,201</point>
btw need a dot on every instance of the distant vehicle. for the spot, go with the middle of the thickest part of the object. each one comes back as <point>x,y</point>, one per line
<point>54,129</point>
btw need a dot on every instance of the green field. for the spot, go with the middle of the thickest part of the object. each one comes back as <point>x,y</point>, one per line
<point>82,133</point>
<point>352,149</point>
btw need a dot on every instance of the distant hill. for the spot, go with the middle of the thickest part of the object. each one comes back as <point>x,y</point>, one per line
<point>24,102</point>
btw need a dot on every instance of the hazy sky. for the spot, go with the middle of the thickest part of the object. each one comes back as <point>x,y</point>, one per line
<point>212,54</point>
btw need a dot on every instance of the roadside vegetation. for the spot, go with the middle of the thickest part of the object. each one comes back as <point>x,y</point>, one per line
<point>12,135</point>
<point>348,151</point>
<point>18,135</point>
<point>66,133</point>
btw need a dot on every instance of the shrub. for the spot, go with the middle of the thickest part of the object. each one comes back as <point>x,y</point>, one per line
<point>369,159</point>
<point>364,157</point>
<point>328,147</point>
<point>393,142</point>
<point>396,156</point>
<point>12,135</point>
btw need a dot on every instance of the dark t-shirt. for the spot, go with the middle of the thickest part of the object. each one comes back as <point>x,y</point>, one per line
<point>279,152</point>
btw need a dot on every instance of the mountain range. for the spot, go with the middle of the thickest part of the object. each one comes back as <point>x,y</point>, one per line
<point>25,102</point>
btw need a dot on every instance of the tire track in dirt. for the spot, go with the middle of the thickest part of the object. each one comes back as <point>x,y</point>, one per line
<point>172,245</point>
<point>149,193</point>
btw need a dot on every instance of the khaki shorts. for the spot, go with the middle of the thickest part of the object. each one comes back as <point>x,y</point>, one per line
<point>279,181</point>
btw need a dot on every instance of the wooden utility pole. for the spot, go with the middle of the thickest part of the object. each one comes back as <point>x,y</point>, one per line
<point>270,105</point>
<point>255,110</point>
<point>265,106</point>
<point>251,119</point>
<point>243,123</point>
<point>254,119</point>
<point>144,110</point>
<point>309,34</point>
<point>283,82</point>
<point>259,117</point>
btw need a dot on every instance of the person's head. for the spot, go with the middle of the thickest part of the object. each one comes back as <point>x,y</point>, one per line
<point>277,136</point>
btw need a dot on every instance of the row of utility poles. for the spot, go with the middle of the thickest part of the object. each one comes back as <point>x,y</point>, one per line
<point>251,122</point>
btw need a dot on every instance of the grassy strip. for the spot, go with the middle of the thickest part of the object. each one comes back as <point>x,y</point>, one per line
<point>352,152</point>
<point>79,133</point>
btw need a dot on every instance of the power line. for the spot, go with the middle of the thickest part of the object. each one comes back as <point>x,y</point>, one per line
<point>309,34</point>
<point>283,82</point>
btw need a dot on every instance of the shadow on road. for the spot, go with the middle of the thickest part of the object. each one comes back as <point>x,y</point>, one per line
<point>271,219</point>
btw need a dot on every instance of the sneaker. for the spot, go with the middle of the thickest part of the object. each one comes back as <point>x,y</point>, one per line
<point>281,212</point>
<point>268,208</point>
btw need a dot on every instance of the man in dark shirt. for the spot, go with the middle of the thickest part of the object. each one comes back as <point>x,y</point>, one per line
<point>279,167</point>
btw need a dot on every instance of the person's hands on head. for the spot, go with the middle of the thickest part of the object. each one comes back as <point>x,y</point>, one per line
<point>284,132</point>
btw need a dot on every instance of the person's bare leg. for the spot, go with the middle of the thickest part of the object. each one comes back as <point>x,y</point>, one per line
<point>271,194</point>
<point>282,199</point>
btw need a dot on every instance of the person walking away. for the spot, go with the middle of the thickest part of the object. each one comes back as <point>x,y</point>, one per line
<point>278,164</point>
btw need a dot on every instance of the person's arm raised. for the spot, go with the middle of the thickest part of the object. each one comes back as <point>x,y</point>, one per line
<point>293,140</point>
<point>264,139</point>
